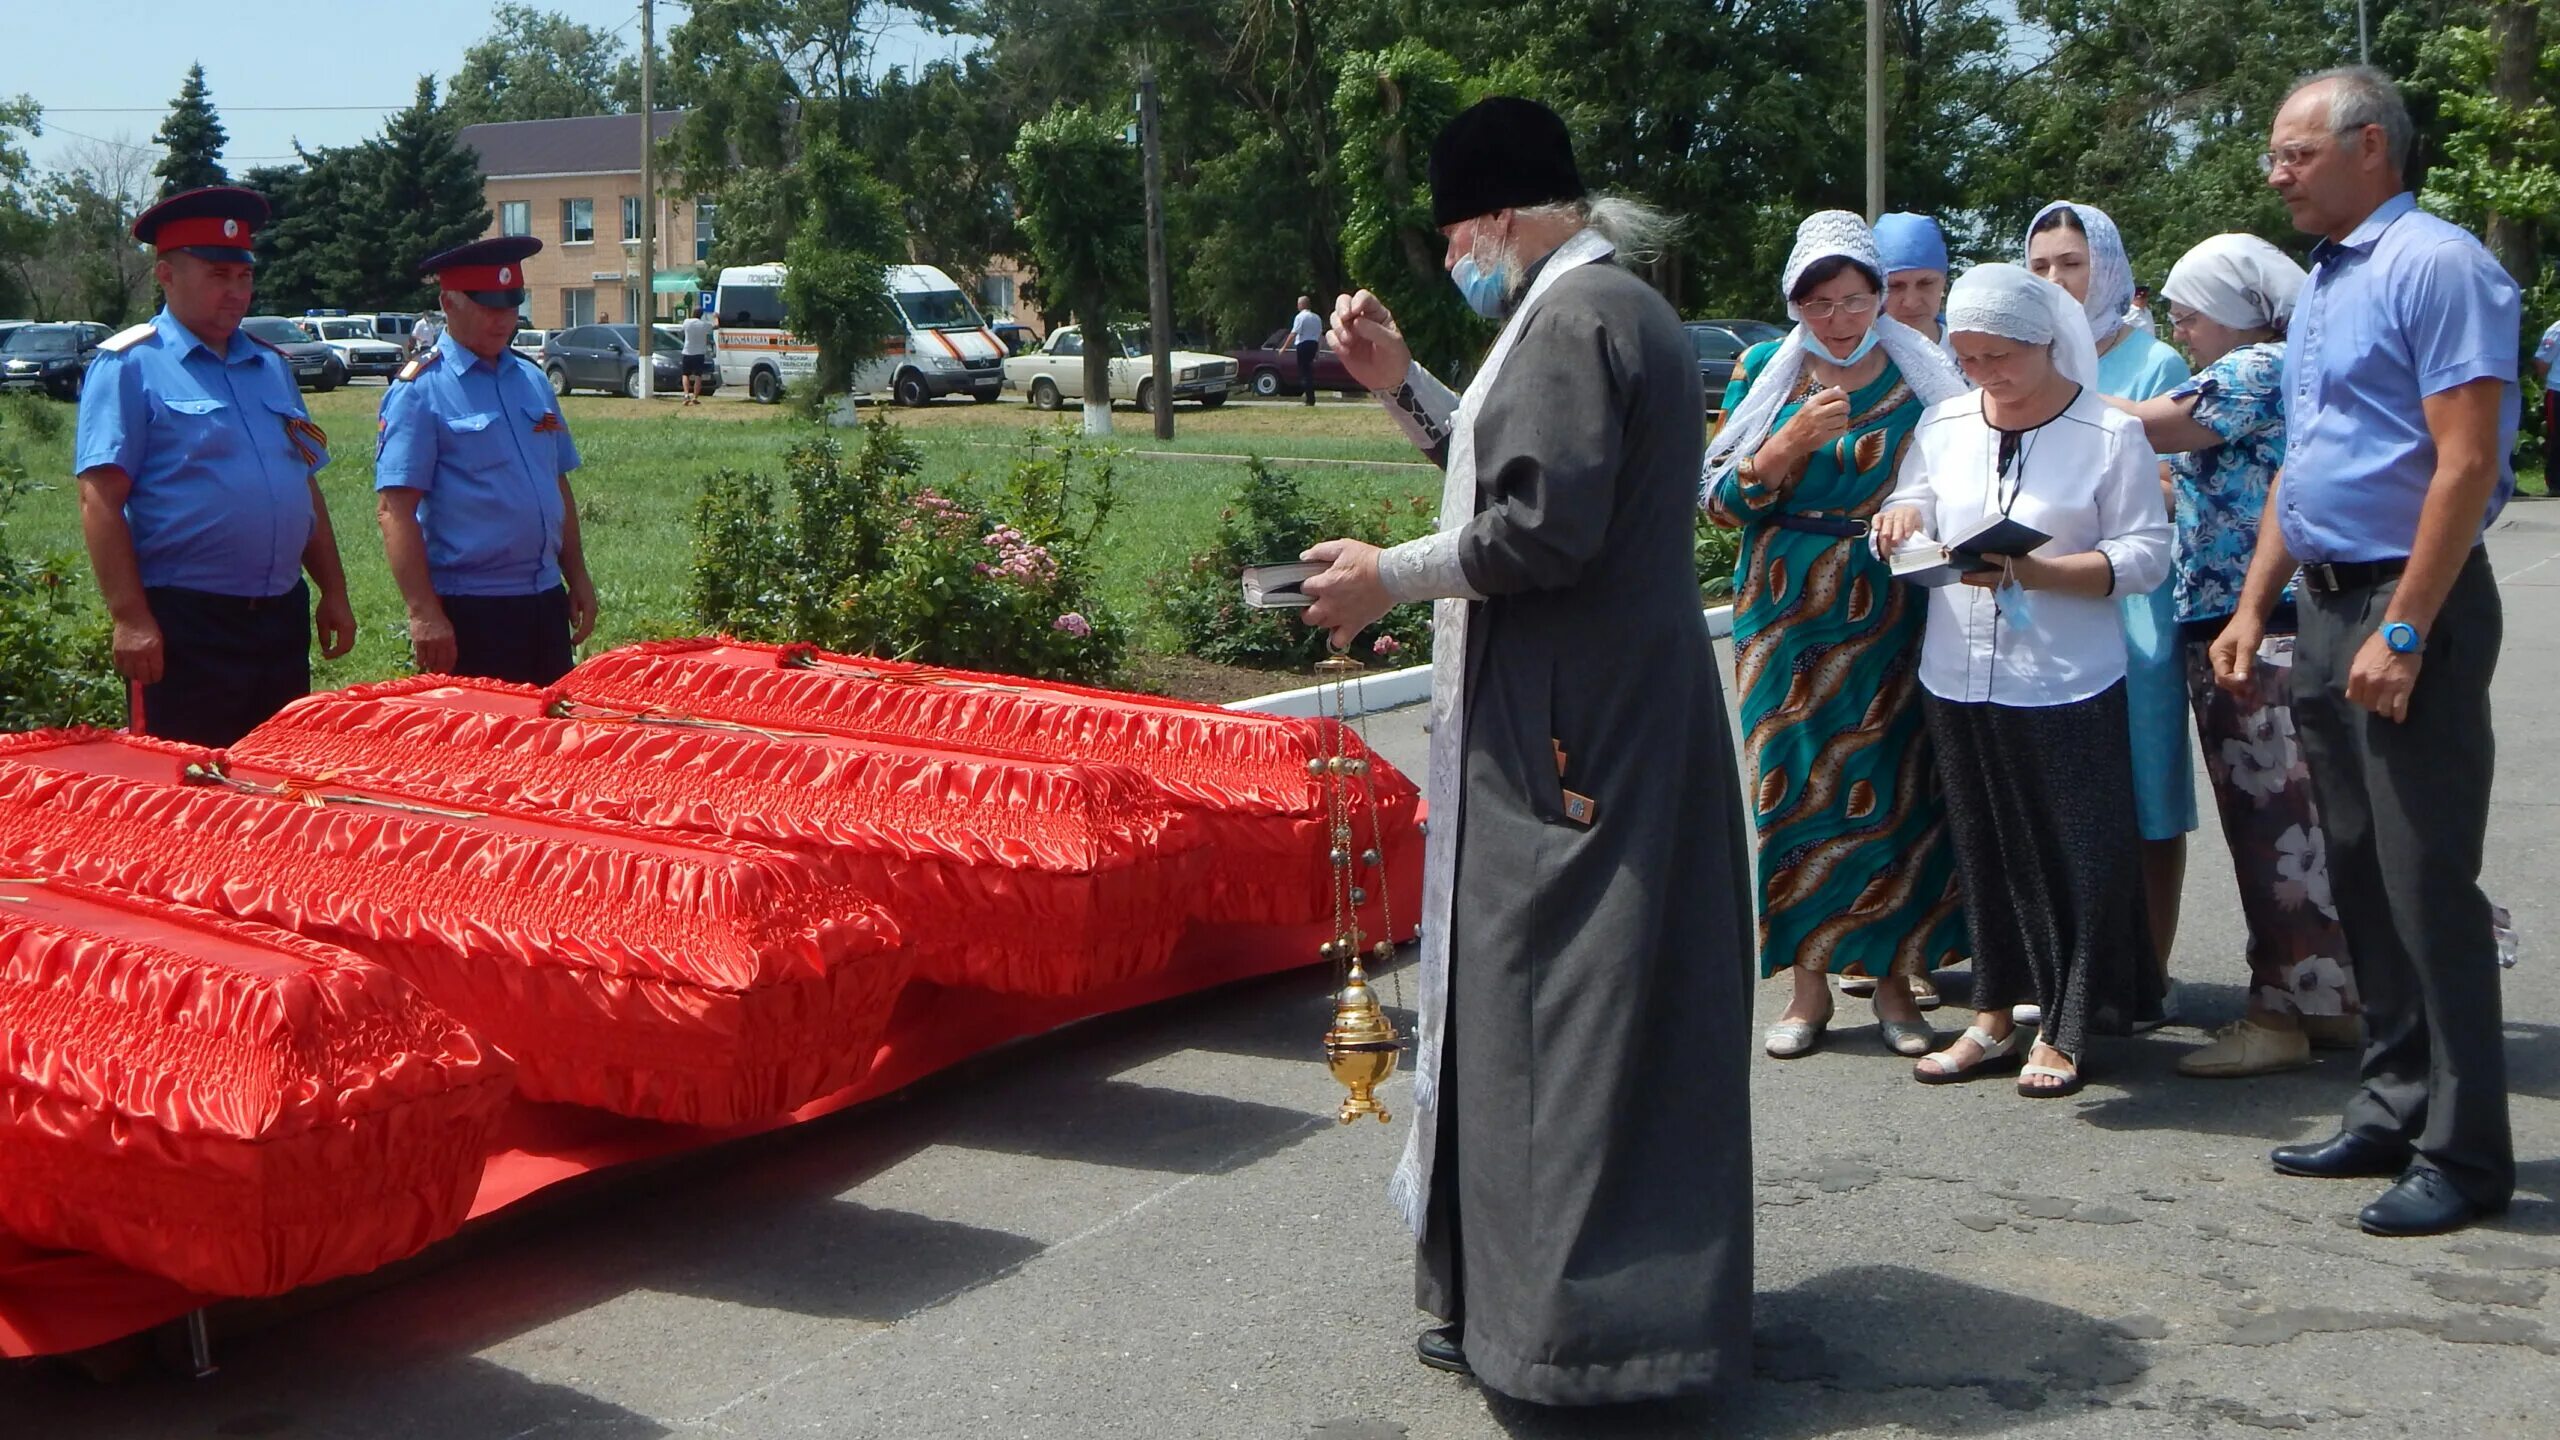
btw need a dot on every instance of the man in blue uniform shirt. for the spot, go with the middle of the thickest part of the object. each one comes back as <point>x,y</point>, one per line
<point>2400,408</point>
<point>473,483</point>
<point>196,461</point>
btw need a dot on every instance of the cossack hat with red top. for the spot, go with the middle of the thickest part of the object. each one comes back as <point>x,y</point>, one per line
<point>216,222</point>
<point>488,272</point>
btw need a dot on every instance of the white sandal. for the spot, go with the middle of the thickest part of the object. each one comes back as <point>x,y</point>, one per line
<point>1794,1039</point>
<point>1936,1069</point>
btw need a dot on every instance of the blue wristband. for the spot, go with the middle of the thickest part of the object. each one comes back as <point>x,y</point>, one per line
<point>2402,637</point>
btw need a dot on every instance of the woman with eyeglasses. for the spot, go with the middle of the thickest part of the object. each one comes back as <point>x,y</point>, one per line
<point>2023,667</point>
<point>2229,301</point>
<point>1855,877</point>
<point>2078,248</point>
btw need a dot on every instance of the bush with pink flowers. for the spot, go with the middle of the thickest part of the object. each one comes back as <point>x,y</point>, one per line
<point>864,557</point>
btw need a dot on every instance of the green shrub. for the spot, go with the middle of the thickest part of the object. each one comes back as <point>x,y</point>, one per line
<point>862,557</point>
<point>1716,551</point>
<point>1275,519</point>
<point>54,667</point>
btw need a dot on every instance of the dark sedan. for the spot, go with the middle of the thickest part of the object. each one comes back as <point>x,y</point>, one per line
<point>1720,345</point>
<point>316,365</point>
<point>607,358</point>
<point>51,358</point>
<point>1272,369</point>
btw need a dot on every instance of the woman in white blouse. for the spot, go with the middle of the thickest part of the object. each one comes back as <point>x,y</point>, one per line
<point>2023,666</point>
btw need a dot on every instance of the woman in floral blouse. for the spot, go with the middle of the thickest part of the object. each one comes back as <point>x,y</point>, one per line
<point>2229,300</point>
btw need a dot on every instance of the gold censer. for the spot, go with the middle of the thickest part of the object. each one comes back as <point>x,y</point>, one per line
<point>1360,1047</point>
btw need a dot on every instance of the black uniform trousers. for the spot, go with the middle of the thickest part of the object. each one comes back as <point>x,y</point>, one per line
<point>227,662</point>
<point>1307,369</point>
<point>2406,809</point>
<point>519,638</point>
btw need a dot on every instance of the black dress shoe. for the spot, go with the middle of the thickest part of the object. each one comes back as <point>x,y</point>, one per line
<point>2343,1156</point>
<point>1442,1348</point>
<point>2423,1203</point>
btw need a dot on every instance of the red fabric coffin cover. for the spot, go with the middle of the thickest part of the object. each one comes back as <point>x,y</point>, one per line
<point>1012,875</point>
<point>683,978</point>
<point>1245,774</point>
<point>235,1108</point>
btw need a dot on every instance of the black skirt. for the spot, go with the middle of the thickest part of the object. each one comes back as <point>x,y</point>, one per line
<point>2040,807</point>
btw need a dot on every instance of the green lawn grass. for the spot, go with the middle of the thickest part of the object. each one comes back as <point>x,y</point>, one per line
<point>644,469</point>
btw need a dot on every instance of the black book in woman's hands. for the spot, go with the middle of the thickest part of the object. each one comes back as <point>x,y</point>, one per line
<point>1933,563</point>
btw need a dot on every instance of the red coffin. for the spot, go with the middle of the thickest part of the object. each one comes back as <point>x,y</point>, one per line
<point>1248,776</point>
<point>232,1107</point>
<point>681,978</point>
<point>1013,875</point>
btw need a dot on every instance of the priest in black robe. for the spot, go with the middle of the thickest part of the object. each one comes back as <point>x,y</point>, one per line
<point>1578,1174</point>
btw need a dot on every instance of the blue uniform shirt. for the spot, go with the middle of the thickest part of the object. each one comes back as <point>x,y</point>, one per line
<point>2409,306</point>
<point>221,497</point>
<point>483,441</point>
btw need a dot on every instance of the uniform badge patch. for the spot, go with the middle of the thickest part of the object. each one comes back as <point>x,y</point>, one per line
<point>548,424</point>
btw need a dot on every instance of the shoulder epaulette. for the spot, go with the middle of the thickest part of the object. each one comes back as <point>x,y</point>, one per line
<point>418,364</point>
<point>127,338</point>
<point>270,344</point>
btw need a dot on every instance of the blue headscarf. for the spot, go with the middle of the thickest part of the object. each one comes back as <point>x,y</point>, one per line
<point>1910,242</point>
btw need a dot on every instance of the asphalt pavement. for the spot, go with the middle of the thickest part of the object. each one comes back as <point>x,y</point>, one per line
<point>1150,1226</point>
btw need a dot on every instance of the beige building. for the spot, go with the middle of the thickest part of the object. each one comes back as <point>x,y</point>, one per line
<point>575,184</point>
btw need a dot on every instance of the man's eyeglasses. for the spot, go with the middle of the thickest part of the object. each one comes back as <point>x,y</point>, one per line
<point>2294,157</point>
<point>1825,309</point>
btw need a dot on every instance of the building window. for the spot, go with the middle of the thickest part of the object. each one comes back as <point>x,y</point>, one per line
<point>515,217</point>
<point>997,292</point>
<point>706,218</point>
<point>633,305</point>
<point>578,307</point>
<point>577,222</point>
<point>630,219</point>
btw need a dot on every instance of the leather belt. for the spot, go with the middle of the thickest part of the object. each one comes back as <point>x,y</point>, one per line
<point>2332,577</point>
<point>1830,525</point>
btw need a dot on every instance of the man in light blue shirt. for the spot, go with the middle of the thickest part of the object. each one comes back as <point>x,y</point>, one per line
<point>1306,336</point>
<point>472,473</point>
<point>2400,396</point>
<point>198,497</point>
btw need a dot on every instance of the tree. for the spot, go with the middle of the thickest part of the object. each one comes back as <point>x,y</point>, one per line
<point>95,268</point>
<point>1083,207</point>
<point>21,225</point>
<point>425,195</point>
<point>2500,171</point>
<point>838,292</point>
<point>194,137</point>
<point>1389,106</point>
<point>941,139</point>
<point>535,65</point>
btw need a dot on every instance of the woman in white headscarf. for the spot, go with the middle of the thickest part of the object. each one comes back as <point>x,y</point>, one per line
<point>2023,667</point>
<point>2078,248</point>
<point>1854,873</point>
<point>2229,301</point>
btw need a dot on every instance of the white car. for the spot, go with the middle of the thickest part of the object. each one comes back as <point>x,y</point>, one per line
<point>1054,373</point>
<point>529,340</point>
<point>353,338</point>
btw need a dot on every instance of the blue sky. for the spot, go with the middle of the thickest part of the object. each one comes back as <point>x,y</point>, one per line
<point>107,69</point>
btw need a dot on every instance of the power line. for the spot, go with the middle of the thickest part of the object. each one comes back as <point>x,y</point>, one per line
<point>226,110</point>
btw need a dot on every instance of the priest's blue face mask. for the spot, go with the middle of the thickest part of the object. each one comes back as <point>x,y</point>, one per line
<point>1486,283</point>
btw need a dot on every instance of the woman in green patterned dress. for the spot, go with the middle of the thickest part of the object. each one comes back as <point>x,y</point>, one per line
<point>1855,873</point>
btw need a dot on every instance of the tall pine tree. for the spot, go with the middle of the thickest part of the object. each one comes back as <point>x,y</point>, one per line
<point>425,195</point>
<point>194,137</point>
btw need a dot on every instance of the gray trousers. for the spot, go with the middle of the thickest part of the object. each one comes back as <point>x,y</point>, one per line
<point>2406,808</point>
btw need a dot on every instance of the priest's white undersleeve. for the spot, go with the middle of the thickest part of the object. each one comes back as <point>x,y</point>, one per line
<point>1425,569</point>
<point>1423,408</point>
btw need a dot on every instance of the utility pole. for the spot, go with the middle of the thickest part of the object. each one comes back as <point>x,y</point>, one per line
<point>648,316</point>
<point>2364,43</point>
<point>1159,274</point>
<point>1875,109</point>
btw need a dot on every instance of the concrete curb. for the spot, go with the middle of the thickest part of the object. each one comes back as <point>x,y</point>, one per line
<point>1395,689</point>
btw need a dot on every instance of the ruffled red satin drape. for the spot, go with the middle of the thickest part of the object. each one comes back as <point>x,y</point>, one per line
<point>684,978</point>
<point>235,1108</point>
<point>1246,775</point>
<point>1012,875</point>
